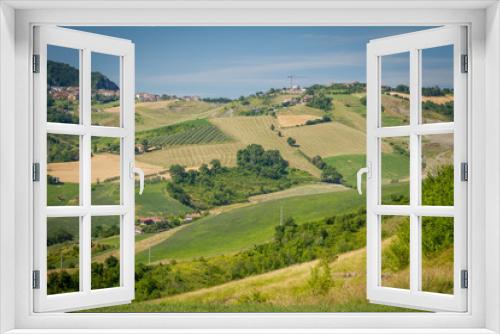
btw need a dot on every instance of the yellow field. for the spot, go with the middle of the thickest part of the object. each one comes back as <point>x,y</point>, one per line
<point>328,139</point>
<point>301,109</point>
<point>104,166</point>
<point>435,99</point>
<point>257,130</point>
<point>286,121</point>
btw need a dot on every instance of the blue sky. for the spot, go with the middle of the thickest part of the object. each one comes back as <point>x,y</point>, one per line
<point>234,61</point>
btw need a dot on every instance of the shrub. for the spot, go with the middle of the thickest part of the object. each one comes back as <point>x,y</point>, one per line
<point>330,174</point>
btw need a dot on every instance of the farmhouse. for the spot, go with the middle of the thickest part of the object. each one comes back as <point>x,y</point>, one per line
<point>147,97</point>
<point>64,93</point>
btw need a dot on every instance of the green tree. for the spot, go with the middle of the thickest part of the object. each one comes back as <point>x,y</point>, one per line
<point>265,163</point>
<point>321,101</point>
<point>178,173</point>
<point>145,144</point>
<point>291,141</point>
<point>320,280</point>
<point>330,174</point>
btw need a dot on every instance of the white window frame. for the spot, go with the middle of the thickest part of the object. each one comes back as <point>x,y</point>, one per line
<point>85,44</point>
<point>16,21</point>
<point>413,44</point>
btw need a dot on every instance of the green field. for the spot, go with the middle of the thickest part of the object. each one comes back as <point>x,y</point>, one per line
<point>242,228</point>
<point>155,201</point>
<point>395,166</point>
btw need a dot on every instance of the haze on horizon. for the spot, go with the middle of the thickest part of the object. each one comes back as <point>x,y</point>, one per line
<point>235,61</point>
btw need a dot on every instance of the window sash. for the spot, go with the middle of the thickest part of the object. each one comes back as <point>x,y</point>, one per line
<point>86,297</point>
<point>414,43</point>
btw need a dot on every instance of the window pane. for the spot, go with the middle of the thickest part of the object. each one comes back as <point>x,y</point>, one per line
<point>105,171</point>
<point>437,169</point>
<point>105,252</point>
<point>437,84</point>
<point>437,254</point>
<point>63,255</point>
<point>395,90</point>
<point>395,233</point>
<point>105,89</point>
<point>63,84</point>
<point>395,170</point>
<point>63,170</point>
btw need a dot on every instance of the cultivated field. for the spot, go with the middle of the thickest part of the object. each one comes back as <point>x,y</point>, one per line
<point>302,109</point>
<point>257,130</point>
<point>150,115</point>
<point>286,121</point>
<point>193,155</point>
<point>104,166</point>
<point>435,99</point>
<point>245,227</point>
<point>328,139</point>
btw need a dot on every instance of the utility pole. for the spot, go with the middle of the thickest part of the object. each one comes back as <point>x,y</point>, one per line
<point>61,261</point>
<point>291,80</point>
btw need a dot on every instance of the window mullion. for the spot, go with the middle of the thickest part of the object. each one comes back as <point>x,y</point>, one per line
<point>415,176</point>
<point>85,181</point>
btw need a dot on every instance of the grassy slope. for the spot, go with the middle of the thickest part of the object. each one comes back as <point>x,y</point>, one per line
<point>155,201</point>
<point>247,226</point>
<point>244,227</point>
<point>150,115</point>
<point>349,110</point>
<point>284,290</point>
<point>349,164</point>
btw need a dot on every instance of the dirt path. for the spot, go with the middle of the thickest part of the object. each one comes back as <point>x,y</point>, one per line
<point>143,244</point>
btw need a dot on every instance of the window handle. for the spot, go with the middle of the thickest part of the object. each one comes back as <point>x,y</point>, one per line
<point>135,170</point>
<point>365,170</point>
